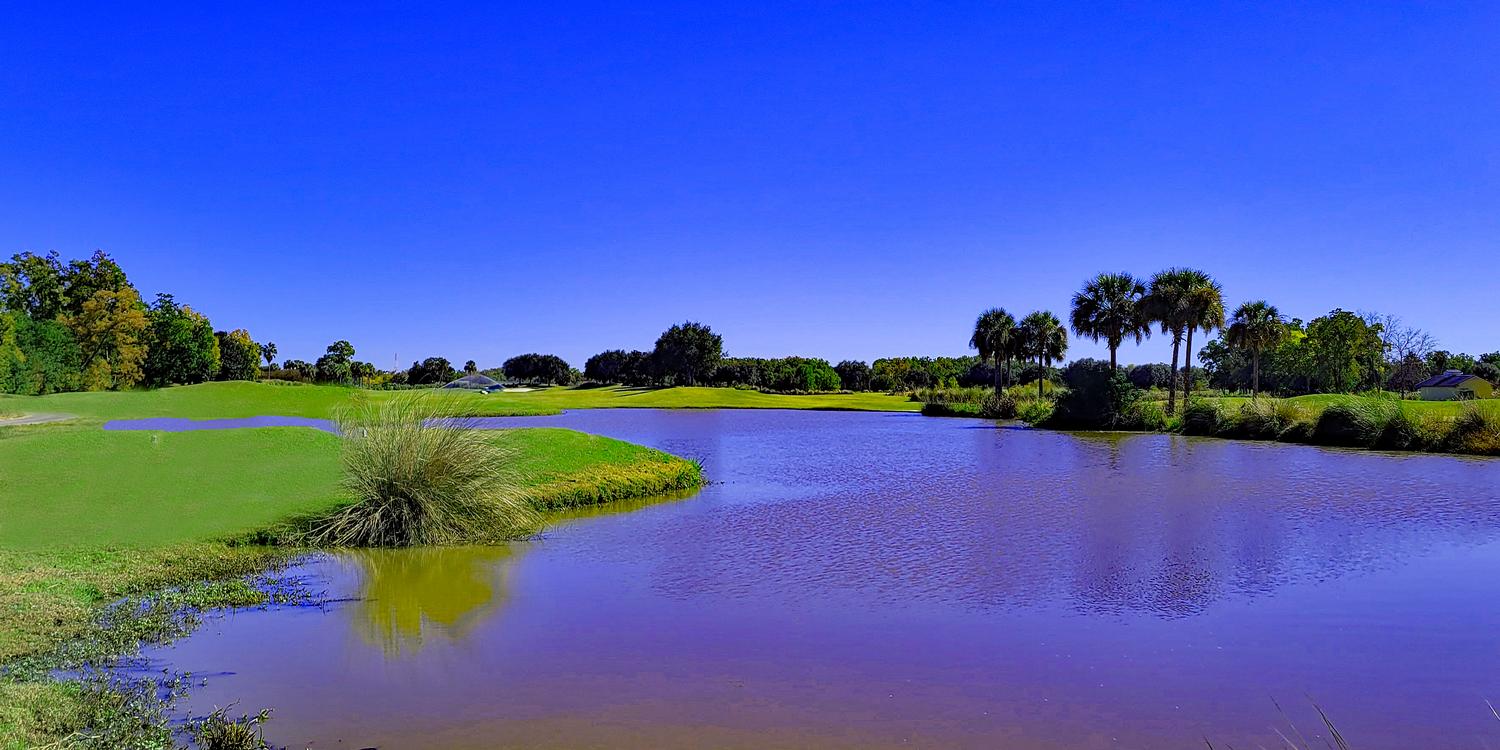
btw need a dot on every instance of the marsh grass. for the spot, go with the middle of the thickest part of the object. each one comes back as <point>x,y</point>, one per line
<point>1355,422</point>
<point>219,732</point>
<point>422,476</point>
<point>1475,430</point>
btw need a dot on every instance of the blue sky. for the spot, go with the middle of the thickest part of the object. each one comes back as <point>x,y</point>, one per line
<point>846,180</point>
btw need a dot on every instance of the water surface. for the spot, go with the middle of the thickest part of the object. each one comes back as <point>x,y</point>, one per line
<point>883,580</point>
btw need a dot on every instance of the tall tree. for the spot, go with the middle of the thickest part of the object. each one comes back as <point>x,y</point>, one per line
<point>33,284</point>
<point>687,352</point>
<point>992,337</point>
<point>268,353</point>
<point>1166,304</point>
<point>239,355</point>
<point>1255,328</point>
<point>1205,311</point>
<point>1046,339</point>
<point>1109,307</point>
<point>110,328</point>
<point>181,347</point>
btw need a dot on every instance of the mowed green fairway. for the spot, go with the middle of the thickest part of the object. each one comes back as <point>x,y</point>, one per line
<point>245,399</point>
<point>85,487</point>
<point>65,487</point>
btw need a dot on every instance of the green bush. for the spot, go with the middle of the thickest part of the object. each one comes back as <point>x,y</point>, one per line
<point>998,406</point>
<point>1475,430</point>
<point>1144,415</point>
<point>1357,422</point>
<point>1259,419</point>
<point>1202,417</point>
<point>1034,410</point>
<point>1097,395</point>
<point>419,476</point>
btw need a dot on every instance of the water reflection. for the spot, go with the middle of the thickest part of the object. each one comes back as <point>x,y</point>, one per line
<point>408,597</point>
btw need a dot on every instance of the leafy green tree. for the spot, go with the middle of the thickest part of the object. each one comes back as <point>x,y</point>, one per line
<point>362,372</point>
<point>538,368</point>
<point>239,355</point>
<point>1109,307</point>
<point>336,364</point>
<point>853,374</point>
<point>607,366</point>
<point>1255,328</point>
<point>431,371</point>
<point>50,359</point>
<point>33,285</point>
<point>181,346</point>
<point>687,352</point>
<point>82,279</point>
<point>110,328</point>
<point>1340,352</point>
<point>306,370</point>
<point>1409,371</point>
<point>993,337</point>
<point>471,368</point>
<point>1205,311</point>
<point>1042,336</point>
<point>13,372</point>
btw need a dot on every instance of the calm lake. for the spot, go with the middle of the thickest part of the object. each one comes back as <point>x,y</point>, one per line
<point>885,580</point>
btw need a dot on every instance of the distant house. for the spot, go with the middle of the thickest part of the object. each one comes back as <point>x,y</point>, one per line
<point>476,382</point>
<point>1453,385</point>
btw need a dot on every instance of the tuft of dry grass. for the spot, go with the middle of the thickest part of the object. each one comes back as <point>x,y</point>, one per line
<point>419,475</point>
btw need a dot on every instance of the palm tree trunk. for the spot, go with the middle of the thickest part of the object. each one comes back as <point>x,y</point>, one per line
<point>1112,365</point>
<point>1255,375</point>
<point>1187,367</point>
<point>997,374</point>
<point>1040,376</point>
<point>1172,386</point>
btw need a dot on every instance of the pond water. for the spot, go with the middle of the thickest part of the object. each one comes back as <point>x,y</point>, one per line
<point>882,580</point>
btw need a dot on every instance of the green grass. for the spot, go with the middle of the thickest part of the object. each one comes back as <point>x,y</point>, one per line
<point>245,399</point>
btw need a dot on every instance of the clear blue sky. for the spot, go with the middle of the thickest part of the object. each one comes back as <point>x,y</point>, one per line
<point>840,180</point>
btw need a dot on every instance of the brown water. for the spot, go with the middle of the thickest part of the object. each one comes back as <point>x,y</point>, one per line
<point>883,580</point>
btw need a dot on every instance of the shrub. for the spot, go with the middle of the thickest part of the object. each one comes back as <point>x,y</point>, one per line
<point>419,476</point>
<point>1358,422</point>
<point>1202,417</point>
<point>1033,410</point>
<point>1144,415</point>
<point>1097,395</point>
<point>1474,431</point>
<point>1260,419</point>
<point>937,409</point>
<point>998,406</point>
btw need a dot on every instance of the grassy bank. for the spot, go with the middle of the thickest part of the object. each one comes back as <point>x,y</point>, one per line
<point>245,399</point>
<point>89,517</point>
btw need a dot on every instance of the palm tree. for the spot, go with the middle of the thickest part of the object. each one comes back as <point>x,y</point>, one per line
<point>1166,304</point>
<point>1205,310</point>
<point>1109,308</point>
<point>1256,327</point>
<point>1046,339</point>
<point>992,337</point>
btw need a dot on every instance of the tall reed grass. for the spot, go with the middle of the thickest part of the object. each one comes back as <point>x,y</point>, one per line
<point>421,476</point>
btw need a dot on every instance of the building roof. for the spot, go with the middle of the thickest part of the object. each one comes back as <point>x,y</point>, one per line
<point>1447,379</point>
<point>473,381</point>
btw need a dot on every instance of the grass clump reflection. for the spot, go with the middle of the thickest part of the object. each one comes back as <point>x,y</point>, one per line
<point>408,594</point>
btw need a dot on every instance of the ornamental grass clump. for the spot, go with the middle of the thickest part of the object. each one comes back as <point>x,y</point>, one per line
<point>1261,419</point>
<point>1475,430</point>
<point>1202,417</point>
<point>420,476</point>
<point>1358,422</point>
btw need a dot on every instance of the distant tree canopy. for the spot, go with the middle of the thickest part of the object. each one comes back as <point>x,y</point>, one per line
<point>853,375</point>
<point>687,353</point>
<point>431,371</point>
<point>239,355</point>
<point>784,374</point>
<point>337,363</point>
<point>538,368</point>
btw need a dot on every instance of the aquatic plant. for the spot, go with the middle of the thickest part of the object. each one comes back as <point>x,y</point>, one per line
<point>219,732</point>
<point>422,476</point>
